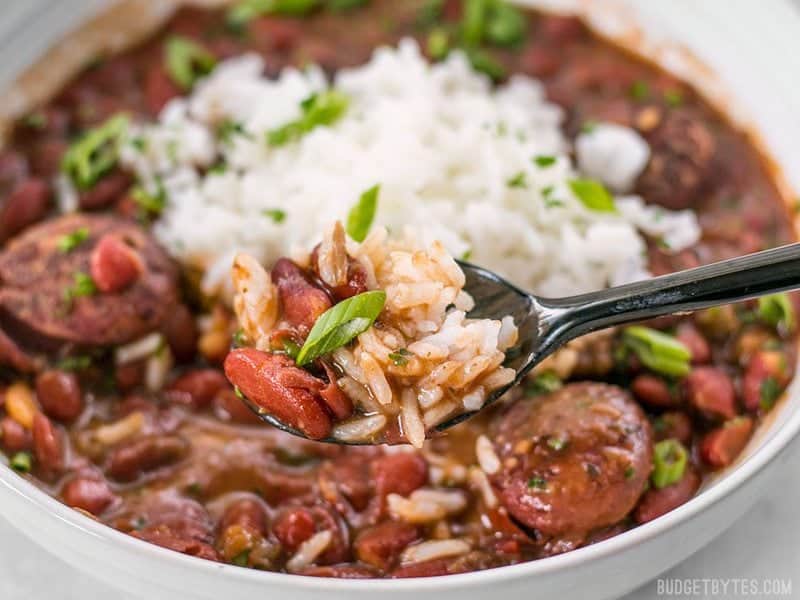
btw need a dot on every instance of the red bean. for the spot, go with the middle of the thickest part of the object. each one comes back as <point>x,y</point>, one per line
<point>105,192</point>
<point>164,536</point>
<point>721,446</point>
<point>294,527</point>
<point>273,382</point>
<point>344,571</point>
<point>197,387</point>
<point>274,33</point>
<point>561,29</point>
<point>25,205</point>
<point>302,301</point>
<point>47,445</point>
<point>399,473</point>
<point>765,365</point>
<point>540,61</point>
<point>691,337</point>
<point>159,89</point>
<point>654,391</point>
<point>180,330</point>
<point>13,436</point>
<point>59,394</point>
<point>130,375</point>
<point>336,400</point>
<point>133,459</point>
<point>657,502</point>
<point>92,494</point>
<point>710,390</point>
<point>381,545</point>
<point>673,425</point>
<point>428,568</point>
<point>248,513</point>
<point>114,265</point>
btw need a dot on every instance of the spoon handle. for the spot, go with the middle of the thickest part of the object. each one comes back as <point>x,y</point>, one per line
<point>733,280</point>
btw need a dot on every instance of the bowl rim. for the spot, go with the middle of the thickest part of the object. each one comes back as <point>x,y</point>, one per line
<point>735,477</point>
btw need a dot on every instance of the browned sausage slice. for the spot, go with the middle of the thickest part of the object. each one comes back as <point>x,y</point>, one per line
<point>37,275</point>
<point>574,460</point>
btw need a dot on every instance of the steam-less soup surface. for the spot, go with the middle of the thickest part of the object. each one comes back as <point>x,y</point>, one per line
<point>343,190</point>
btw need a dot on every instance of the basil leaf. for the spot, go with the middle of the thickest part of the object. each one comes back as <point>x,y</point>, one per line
<point>324,108</point>
<point>96,153</point>
<point>363,214</point>
<point>669,462</point>
<point>777,310</point>
<point>593,195</point>
<point>187,61</point>
<point>341,323</point>
<point>658,351</point>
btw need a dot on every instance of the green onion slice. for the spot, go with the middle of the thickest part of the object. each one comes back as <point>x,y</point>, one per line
<point>96,153</point>
<point>593,195</point>
<point>669,462</point>
<point>321,109</point>
<point>777,310</point>
<point>187,61</point>
<point>658,351</point>
<point>340,324</point>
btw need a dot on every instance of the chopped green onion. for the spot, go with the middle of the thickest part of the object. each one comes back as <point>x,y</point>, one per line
<point>83,285</point>
<point>228,129</point>
<point>290,348</point>
<point>21,462</point>
<point>70,241</point>
<point>506,25</point>
<point>438,44</point>
<point>247,10</point>
<point>74,363</point>
<point>658,351</point>
<point>630,472</point>
<point>518,181</point>
<point>673,98</point>
<point>473,22</point>
<point>640,90</point>
<point>777,310</point>
<point>241,559</point>
<point>152,203</point>
<point>277,215</point>
<point>430,14</point>
<point>400,357</point>
<point>140,143</point>
<point>544,161</point>
<point>588,126</point>
<point>322,109</point>
<point>543,383</point>
<point>187,61</point>
<point>556,443</point>
<point>482,62</point>
<point>238,392</point>
<point>96,153</point>
<point>343,5</point>
<point>769,391</point>
<point>238,338</point>
<point>467,255</point>
<point>593,195</point>
<point>669,463</point>
<point>35,120</point>
<point>537,483</point>
<point>341,323</point>
<point>361,216</point>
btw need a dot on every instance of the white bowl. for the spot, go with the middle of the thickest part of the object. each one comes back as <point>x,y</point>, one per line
<point>749,51</point>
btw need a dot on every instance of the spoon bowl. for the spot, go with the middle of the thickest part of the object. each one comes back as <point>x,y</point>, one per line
<point>545,324</point>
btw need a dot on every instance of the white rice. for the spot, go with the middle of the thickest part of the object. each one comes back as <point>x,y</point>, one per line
<point>441,142</point>
<point>309,550</point>
<point>433,549</point>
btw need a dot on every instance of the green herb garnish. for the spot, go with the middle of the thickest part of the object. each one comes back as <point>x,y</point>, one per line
<point>430,14</point>
<point>341,323</point>
<point>556,443</point>
<point>35,120</point>
<point>82,285</point>
<point>777,310</point>
<point>673,98</point>
<point>639,90</point>
<point>658,351</point>
<point>473,22</point>
<point>229,129</point>
<point>361,216</point>
<point>96,153</point>
<point>630,472</point>
<point>343,5</point>
<point>322,109</point>
<point>290,348</point>
<point>518,181</point>
<point>246,11</point>
<point>537,483</point>
<point>543,383</point>
<point>149,202</point>
<point>70,241</point>
<point>187,61</point>
<point>506,25</point>
<point>593,195</point>
<point>400,357</point>
<point>438,44</point>
<point>544,161</point>
<point>769,392</point>
<point>277,215</point>
<point>484,63</point>
<point>74,363</point>
<point>21,462</point>
<point>669,463</point>
<point>241,559</point>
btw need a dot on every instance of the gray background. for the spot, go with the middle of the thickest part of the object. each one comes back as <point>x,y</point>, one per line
<point>764,544</point>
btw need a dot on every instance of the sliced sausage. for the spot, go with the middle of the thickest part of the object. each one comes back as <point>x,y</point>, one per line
<point>38,275</point>
<point>574,460</point>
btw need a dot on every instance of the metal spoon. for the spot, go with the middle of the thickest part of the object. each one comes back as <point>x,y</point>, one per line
<point>545,324</point>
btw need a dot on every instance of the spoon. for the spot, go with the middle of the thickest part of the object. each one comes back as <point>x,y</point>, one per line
<point>545,324</point>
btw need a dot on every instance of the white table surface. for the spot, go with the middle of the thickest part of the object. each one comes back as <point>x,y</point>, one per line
<point>763,545</point>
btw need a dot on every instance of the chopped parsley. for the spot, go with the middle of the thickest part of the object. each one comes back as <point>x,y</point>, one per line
<point>545,161</point>
<point>70,241</point>
<point>277,215</point>
<point>593,195</point>
<point>518,181</point>
<point>320,109</point>
<point>400,357</point>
